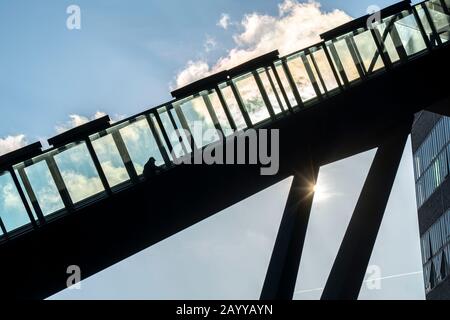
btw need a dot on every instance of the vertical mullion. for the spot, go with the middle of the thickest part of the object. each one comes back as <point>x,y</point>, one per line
<point>356,57</point>
<point>98,166</point>
<point>291,81</point>
<point>332,66</point>
<point>447,12</point>
<point>161,148</point>
<point>31,194</point>
<point>60,184</point>
<point>431,23</point>
<point>22,197</point>
<point>264,94</point>
<point>224,104</point>
<point>177,130</point>
<point>381,51</point>
<point>316,67</point>
<point>275,91</point>
<point>280,85</point>
<point>2,226</point>
<point>163,130</point>
<point>311,76</point>
<point>421,28</point>
<point>212,114</point>
<point>126,159</point>
<point>396,39</point>
<point>338,63</point>
<point>240,103</point>
<point>185,126</point>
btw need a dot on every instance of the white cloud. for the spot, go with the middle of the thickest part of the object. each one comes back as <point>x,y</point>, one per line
<point>114,174</point>
<point>296,26</point>
<point>210,43</point>
<point>14,142</point>
<point>11,143</point>
<point>78,120</point>
<point>11,199</point>
<point>194,70</point>
<point>81,186</point>
<point>224,21</point>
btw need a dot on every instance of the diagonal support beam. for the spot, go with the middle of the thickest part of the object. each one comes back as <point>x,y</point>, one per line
<point>350,266</point>
<point>284,263</point>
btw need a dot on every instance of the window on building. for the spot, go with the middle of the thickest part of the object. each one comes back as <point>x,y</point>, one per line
<point>432,161</point>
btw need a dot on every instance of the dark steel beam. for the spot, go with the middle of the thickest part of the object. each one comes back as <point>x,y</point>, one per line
<point>349,269</point>
<point>283,268</point>
<point>80,133</point>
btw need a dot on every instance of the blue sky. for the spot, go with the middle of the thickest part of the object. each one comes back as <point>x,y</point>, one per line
<point>226,256</point>
<point>124,59</point>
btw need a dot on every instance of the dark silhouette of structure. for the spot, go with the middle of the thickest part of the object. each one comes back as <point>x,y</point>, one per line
<point>356,90</point>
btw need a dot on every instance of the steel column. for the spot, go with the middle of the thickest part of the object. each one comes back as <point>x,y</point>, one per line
<point>350,266</point>
<point>283,268</point>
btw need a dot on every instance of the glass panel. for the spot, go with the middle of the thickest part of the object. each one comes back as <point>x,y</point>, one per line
<point>233,107</point>
<point>440,19</point>
<point>325,69</point>
<point>269,90</point>
<point>141,144</point>
<point>181,131</point>
<point>301,78</point>
<point>386,39</point>
<point>285,83</point>
<point>220,113</point>
<point>425,23</point>
<point>315,74</point>
<point>368,50</point>
<point>44,188</point>
<point>78,172</point>
<point>199,121</point>
<point>177,146</point>
<point>110,160</point>
<point>26,195</point>
<point>161,136</point>
<point>252,98</point>
<point>346,60</point>
<point>12,209</point>
<point>277,87</point>
<point>410,35</point>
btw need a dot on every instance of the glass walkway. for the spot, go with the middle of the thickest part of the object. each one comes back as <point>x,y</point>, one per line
<point>100,158</point>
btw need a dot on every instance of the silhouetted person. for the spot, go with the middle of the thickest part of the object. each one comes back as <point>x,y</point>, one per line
<point>151,169</point>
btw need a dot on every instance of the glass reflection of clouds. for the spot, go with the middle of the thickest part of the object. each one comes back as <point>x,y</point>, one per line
<point>301,78</point>
<point>325,70</point>
<point>79,173</point>
<point>12,210</point>
<point>252,98</point>
<point>199,120</point>
<point>110,160</point>
<point>220,113</point>
<point>270,91</point>
<point>285,83</point>
<point>44,188</point>
<point>233,107</point>
<point>141,144</point>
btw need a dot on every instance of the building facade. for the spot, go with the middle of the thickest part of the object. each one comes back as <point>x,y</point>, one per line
<point>431,149</point>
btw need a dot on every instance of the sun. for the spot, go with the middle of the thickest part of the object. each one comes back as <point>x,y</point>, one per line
<point>320,192</point>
